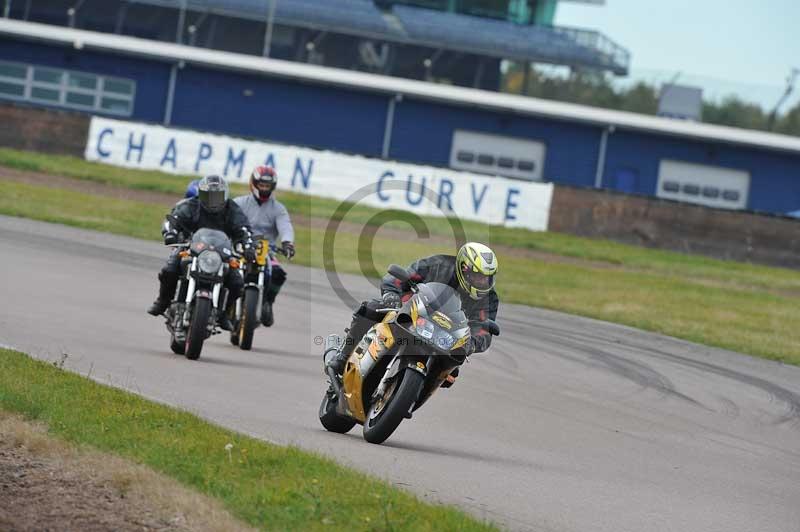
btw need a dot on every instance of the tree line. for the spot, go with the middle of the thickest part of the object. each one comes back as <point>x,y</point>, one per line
<point>596,90</point>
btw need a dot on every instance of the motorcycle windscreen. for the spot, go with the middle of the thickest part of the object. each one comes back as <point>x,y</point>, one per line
<point>212,239</point>
<point>439,297</point>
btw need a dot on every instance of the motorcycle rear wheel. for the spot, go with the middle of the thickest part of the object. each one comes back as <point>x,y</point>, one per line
<point>380,425</point>
<point>332,421</point>
<point>248,324</point>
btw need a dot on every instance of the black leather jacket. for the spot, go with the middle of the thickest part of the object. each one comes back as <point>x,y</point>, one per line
<point>191,216</point>
<point>442,269</point>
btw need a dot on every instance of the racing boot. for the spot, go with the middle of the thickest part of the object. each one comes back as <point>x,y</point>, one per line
<point>223,319</point>
<point>267,319</point>
<point>166,291</point>
<point>451,379</point>
<point>267,316</point>
<point>358,328</point>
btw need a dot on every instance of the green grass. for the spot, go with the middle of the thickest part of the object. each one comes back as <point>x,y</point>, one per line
<point>631,258</point>
<point>268,486</point>
<point>745,308</point>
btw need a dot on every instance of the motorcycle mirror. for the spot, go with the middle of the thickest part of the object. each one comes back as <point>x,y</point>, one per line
<point>399,272</point>
<point>491,326</point>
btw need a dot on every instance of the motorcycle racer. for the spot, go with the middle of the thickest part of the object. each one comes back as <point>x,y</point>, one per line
<point>268,217</point>
<point>471,272</point>
<point>213,209</point>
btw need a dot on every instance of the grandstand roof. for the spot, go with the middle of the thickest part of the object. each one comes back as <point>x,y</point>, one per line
<point>459,96</point>
<point>426,27</point>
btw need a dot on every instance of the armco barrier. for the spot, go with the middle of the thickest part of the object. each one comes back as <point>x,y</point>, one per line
<point>665,224</point>
<point>47,131</point>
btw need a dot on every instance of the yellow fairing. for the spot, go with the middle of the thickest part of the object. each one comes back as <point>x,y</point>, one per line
<point>460,342</point>
<point>389,316</point>
<point>353,378</point>
<point>262,252</point>
<point>352,381</point>
<point>384,336</point>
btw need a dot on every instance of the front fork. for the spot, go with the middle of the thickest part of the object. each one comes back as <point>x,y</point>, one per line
<point>191,293</point>
<point>400,362</point>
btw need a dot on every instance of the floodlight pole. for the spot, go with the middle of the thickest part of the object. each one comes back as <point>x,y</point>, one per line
<point>270,24</point>
<point>181,22</point>
<point>72,12</point>
<point>789,88</point>
<point>7,9</point>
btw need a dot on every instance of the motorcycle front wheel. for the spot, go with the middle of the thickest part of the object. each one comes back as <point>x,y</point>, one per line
<point>386,414</point>
<point>196,334</point>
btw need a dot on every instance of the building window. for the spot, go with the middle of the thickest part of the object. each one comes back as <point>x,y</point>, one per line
<point>505,162</point>
<point>66,88</point>
<point>671,186</point>
<point>485,159</point>
<point>731,195</point>
<point>690,189</point>
<point>465,156</point>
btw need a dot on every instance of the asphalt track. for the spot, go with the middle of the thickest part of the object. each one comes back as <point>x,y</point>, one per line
<point>568,424</point>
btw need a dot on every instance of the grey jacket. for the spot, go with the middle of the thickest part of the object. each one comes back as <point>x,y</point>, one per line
<point>270,218</point>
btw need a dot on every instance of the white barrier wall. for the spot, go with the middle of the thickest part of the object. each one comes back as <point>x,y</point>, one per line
<point>379,183</point>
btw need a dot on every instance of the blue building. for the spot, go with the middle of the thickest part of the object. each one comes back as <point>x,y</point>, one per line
<point>408,120</point>
<point>467,43</point>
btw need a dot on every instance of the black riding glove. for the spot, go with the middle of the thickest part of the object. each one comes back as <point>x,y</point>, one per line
<point>170,238</point>
<point>288,249</point>
<point>249,253</point>
<point>392,300</point>
<point>469,346</point>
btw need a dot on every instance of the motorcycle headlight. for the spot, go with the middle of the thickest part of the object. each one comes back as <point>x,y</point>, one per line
<point>209,261</point>
<point>444,340</point>
<point>425,328</point>
<point>440,338</point>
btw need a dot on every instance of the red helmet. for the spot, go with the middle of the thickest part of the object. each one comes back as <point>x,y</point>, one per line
<point>263,181</point>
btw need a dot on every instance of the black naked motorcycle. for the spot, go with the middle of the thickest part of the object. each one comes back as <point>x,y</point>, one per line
<point>192,315</point>
<point>399,363</point>
<point>257,275</point>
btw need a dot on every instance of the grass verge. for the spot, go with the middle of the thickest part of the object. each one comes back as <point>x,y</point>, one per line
<point>611,253</point>
<point>745,308</point>
<point>267,486</point>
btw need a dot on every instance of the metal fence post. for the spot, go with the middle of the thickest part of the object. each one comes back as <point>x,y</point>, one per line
<point>270,24</point>
<point>181,23</point>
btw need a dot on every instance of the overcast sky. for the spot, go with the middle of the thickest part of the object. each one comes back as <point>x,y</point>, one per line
<point>751,43</point>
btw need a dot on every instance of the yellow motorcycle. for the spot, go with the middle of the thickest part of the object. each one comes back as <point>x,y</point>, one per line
<point>257,275</point>
<point>399,363</point>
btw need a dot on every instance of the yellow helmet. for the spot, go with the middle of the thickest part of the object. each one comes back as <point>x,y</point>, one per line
<point>476,266</point>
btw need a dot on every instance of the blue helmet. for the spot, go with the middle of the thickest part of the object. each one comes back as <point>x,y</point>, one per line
<point>191,190</point>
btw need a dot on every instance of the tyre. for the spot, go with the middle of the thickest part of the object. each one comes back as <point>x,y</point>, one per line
<point>196,334</point>
<point>332,421</point>
<point>385,416</point>
<point>248,323</point>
